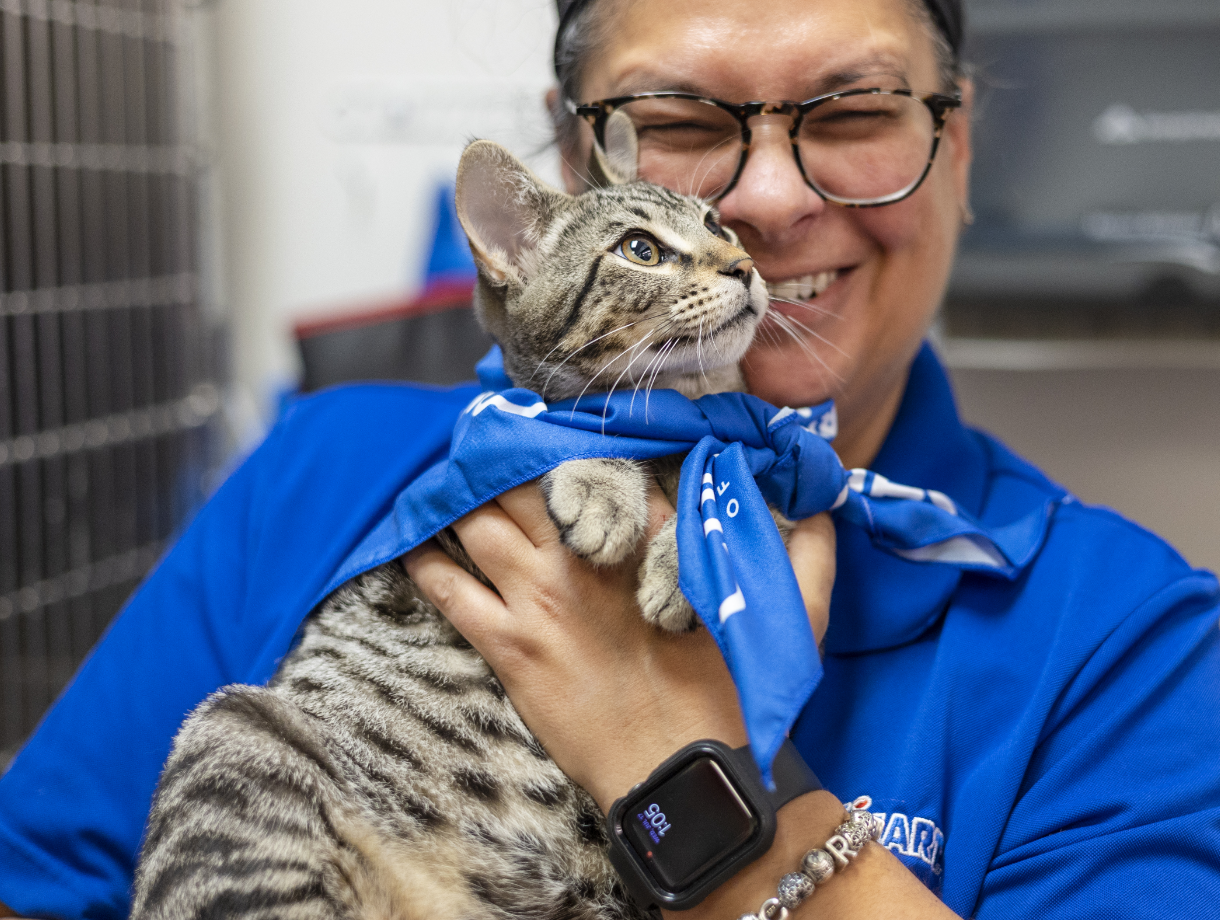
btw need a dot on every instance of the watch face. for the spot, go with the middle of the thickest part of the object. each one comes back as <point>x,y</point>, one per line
<point>688,823</point>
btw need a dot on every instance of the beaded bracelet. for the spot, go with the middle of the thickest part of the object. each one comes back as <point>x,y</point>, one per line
<point>819,864</point>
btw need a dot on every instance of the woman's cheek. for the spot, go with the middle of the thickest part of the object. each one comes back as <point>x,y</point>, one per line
<point>916,240</point>
<point>905,226</point>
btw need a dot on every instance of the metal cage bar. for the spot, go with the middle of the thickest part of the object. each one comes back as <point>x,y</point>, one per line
<point>107,395</point>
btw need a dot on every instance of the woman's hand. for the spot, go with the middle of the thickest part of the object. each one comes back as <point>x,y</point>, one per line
<point>608,696</point>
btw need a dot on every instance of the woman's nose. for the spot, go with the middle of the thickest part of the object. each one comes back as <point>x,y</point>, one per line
<point>771,195</point>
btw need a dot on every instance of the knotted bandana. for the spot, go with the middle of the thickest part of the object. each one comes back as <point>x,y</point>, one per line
<point>742,455</point>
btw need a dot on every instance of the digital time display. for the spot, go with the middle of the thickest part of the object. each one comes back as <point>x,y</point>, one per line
<point>689,823</point>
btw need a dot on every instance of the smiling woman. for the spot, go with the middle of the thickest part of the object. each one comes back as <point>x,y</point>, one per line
<point>1037,741</point>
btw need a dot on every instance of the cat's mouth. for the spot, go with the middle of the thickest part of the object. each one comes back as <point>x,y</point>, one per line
<point>742,316</point>
<point>803,288</point>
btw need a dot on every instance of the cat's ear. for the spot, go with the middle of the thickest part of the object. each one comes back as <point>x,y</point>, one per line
<point>618,164</point>
<point>503,207</point>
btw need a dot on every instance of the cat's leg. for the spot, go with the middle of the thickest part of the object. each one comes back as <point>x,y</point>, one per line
<point>661,600</point>
<point>240,826</point>
<point>600,507</point>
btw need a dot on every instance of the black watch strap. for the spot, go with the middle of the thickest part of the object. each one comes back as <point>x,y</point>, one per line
<point>791,774</point>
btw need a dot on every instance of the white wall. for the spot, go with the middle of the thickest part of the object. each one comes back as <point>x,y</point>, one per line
<point>1143,441</point>
<point>333,124</point>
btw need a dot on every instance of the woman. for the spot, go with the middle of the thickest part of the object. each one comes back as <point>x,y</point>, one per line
<point>890,266</point>
<point>1037,746</point>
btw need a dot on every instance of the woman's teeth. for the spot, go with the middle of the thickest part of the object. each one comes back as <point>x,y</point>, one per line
<point>802,288</point>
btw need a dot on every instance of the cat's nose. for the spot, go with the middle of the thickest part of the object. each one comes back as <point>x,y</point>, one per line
<point>741,269</point>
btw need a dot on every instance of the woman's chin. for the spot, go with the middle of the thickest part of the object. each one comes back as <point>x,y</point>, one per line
<point>789,373</point>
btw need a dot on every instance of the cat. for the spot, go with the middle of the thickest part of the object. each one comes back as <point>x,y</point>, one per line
<point>383,772</point>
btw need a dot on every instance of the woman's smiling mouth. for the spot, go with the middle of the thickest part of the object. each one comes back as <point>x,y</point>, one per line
<point>803,288</point>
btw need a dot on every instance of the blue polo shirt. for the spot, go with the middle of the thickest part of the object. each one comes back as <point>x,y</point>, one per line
<point>1046,745</point>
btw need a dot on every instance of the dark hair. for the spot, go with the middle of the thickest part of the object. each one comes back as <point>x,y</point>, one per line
<point>946,15</point>
<point>581,28</point>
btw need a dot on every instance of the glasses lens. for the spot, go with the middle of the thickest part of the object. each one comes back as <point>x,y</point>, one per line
<point>689,146</point>
<point>866,149</point>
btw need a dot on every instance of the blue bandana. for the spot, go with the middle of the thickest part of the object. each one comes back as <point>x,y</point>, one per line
<point>742,455</point>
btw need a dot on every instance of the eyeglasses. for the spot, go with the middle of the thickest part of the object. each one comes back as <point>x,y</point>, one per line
<point>859,148</point>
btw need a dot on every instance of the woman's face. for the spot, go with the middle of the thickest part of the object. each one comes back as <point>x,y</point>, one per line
<point>891,263</point>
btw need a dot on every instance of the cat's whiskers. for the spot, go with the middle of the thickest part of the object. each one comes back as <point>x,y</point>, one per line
<point>574,354</point>
<point>657,364</point>
<point>654,313</point>
<point>542,361</point>
<point>821,311</point>
<point>669,346</point>
<point>771,332</point>
<point>606,406</point>
<point>656,361</point>
<point>580,171</point>
<point>693,185</point>
<point>821,338</point>
<point>790,333</point>
<point>784,323</point>
<point>602,369</point>
<point>699,351</point>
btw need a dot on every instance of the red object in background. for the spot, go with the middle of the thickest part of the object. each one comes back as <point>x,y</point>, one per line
<point>431,338</point>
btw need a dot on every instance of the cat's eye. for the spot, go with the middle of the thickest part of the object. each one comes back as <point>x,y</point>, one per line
<point>640,249</point>
<point>713,227</point>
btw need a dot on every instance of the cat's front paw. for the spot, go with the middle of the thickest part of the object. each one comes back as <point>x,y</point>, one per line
<point>661,600</point>
<point>600,507</point>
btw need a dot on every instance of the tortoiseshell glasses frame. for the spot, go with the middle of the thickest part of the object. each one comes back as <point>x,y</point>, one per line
<point>938,106</point>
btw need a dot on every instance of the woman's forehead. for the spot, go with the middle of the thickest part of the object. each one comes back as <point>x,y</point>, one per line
<point>743,49</point>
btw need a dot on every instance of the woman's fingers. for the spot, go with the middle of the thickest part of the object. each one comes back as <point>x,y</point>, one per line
<point>811,547</point>
<point>500,546</point>
<point>476,611</point>
<point>526,506</point>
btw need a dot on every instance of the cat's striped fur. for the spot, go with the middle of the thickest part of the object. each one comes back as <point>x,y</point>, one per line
<point>383,773</point>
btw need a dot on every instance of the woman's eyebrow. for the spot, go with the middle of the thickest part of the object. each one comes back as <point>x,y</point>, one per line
<point>647,81</point>
<point>884,65</point>
<point>858,74</point>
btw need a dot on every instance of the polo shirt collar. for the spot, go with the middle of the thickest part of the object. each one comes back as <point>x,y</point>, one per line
<point>880,600</point>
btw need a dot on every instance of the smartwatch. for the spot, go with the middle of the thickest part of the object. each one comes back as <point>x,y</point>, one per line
<point>702,815</point>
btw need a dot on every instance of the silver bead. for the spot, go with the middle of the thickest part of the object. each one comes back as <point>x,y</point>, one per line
<point>748,917</point>
<point>818,865</point>
<point>869,821</point>
<point>861,818</point>
<point>855,834</point>
<point>772,909</point>
<point>793,889</point>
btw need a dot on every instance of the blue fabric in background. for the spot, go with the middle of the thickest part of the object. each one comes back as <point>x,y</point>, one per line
<point>1044,746</point>
<point>449,258</point>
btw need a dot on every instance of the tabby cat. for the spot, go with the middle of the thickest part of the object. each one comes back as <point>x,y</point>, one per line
<point>383,773</point>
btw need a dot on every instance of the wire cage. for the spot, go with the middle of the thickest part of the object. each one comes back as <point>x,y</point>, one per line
<point>107,393</point>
